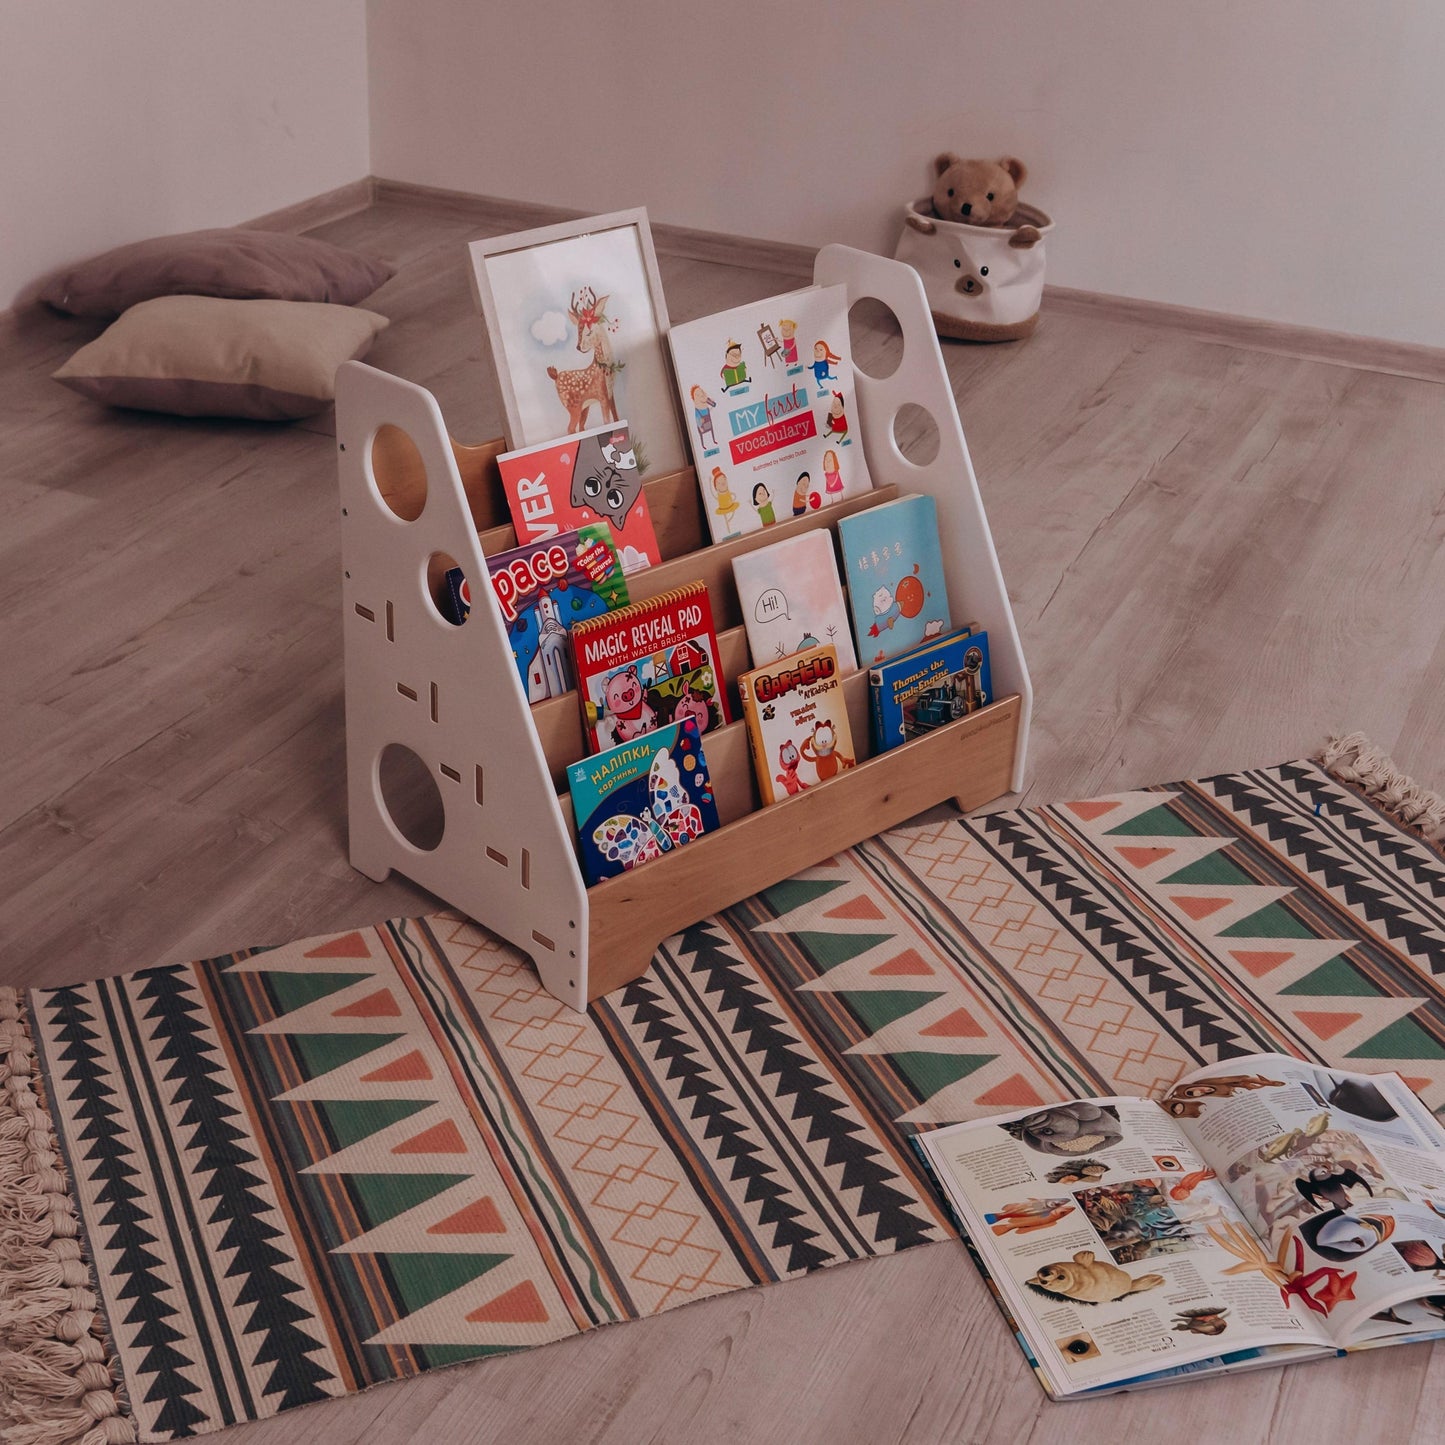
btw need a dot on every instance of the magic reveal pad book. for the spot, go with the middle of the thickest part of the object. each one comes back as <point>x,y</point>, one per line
<point>791,599</point>
<point>767,390</point>
<point>647,665</point>
<point>590,477</point>
<point>640,799</point>
<point>894,565</point>
<point>797,723</point>
<point>1265,1209</point>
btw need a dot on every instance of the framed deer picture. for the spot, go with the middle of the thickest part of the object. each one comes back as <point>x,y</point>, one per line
<point>578,326</point>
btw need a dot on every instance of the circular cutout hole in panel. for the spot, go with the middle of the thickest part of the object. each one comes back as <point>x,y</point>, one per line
<point>915,433</point>
<point>398,472</point>
<point>411,797</point>
<point>876,337</point>
<point>448,589</point>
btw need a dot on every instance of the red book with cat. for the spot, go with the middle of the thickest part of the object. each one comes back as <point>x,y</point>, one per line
<point>647,665</point>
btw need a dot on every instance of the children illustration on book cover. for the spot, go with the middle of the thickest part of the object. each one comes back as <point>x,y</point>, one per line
<point>765,424</point>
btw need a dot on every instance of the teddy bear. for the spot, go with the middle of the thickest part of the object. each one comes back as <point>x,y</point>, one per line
<point>977,193</point>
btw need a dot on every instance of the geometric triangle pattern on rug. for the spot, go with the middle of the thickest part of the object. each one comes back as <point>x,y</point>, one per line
<point>307,1169</point>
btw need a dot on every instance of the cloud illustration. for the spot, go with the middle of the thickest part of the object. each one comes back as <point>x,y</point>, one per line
<point>550,328</point>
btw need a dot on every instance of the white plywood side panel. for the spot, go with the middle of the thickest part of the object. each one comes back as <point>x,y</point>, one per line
<point>975,582</point>
<point>505,857</point>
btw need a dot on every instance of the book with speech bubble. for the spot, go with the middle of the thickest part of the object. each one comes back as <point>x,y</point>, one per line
<point>791,599</point>
<point>768,389</point>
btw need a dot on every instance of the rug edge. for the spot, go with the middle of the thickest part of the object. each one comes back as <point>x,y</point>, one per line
<point>57,1372</point>
<point>1357,762</point>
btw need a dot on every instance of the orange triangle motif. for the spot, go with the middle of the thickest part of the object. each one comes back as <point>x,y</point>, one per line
<point>1418,1085</point>
<point>443,1138</point>
<point>376,1005</point>
<point>404,1070</point>
<point>520,1305</point>
<point>1198,908</point>
<point>1259,962</point>
<point>479,1218</point>
<point>1143,857</point>
<point>1092,808</point>
<point>349,945</point>
<point>960,1024</point>
<point>860,907</point>
<point>1326,1026</point>
<point>909,961</point>
<point>1015,1091</point>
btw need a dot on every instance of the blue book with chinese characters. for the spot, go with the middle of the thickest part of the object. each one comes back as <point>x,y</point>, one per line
<point>935,684</point>
<point>640,799</point>
<point>894,565</point>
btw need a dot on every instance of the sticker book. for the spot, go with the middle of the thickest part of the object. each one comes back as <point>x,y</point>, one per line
<point>641,799</point>
<point>894,566</point>
<point>935,684</point>
<point>767,390</point>
<point>792,600</point>
<point>797,723</point>
<point>590,477</point>
<point>648,665</point>
<point>542,589</point>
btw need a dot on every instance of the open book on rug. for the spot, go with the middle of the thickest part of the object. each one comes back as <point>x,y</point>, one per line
<point>1266,1209</point>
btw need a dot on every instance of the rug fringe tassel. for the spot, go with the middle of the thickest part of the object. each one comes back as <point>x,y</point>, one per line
<point>56,1382</point>
<point>1356,760</point>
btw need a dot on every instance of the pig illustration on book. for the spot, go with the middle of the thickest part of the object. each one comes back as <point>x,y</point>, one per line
<point>627,706</point>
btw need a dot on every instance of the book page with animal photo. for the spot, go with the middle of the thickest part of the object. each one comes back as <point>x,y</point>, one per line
<point>1113,1247</point>
<point>1342,1178</point>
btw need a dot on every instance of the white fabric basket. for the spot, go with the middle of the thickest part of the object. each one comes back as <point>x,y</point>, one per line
<point>983,283</point>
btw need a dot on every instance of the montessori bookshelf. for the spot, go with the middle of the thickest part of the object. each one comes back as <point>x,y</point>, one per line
<point>414,502</point>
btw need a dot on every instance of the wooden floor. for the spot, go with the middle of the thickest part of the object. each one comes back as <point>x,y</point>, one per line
<point>1216,556</point>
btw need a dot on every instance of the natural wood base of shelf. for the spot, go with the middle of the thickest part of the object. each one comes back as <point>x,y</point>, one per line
<point>970,761</point>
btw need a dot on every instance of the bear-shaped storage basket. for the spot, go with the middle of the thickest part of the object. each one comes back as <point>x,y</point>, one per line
<point>983,283</point>
<point>414,502</point>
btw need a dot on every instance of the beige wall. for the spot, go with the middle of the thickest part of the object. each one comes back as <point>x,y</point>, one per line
<point>1277,160</point>
<point>128,118</point>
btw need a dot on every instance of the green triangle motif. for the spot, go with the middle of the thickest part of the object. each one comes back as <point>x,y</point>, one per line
<point>1337,978</point>
<point>929,1072</point>
<point>1404,1039</point>
<point>1216,868</point>
<point>421,1279</point>
<point>320,1053</point>
<point>795,892</point>
<point>1272,921</point>
<point>380,1197</point>
<point>351,1120</point>
<point>295,990</point>
<point>437,1355</point>
<point>877,1008</point>
<point>1160,822</point>
<point>830,949</point>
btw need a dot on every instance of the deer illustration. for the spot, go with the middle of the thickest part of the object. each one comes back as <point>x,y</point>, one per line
<point>577,390</point>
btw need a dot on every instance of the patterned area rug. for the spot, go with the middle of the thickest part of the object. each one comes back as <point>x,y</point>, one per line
<point>303,1170</point>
